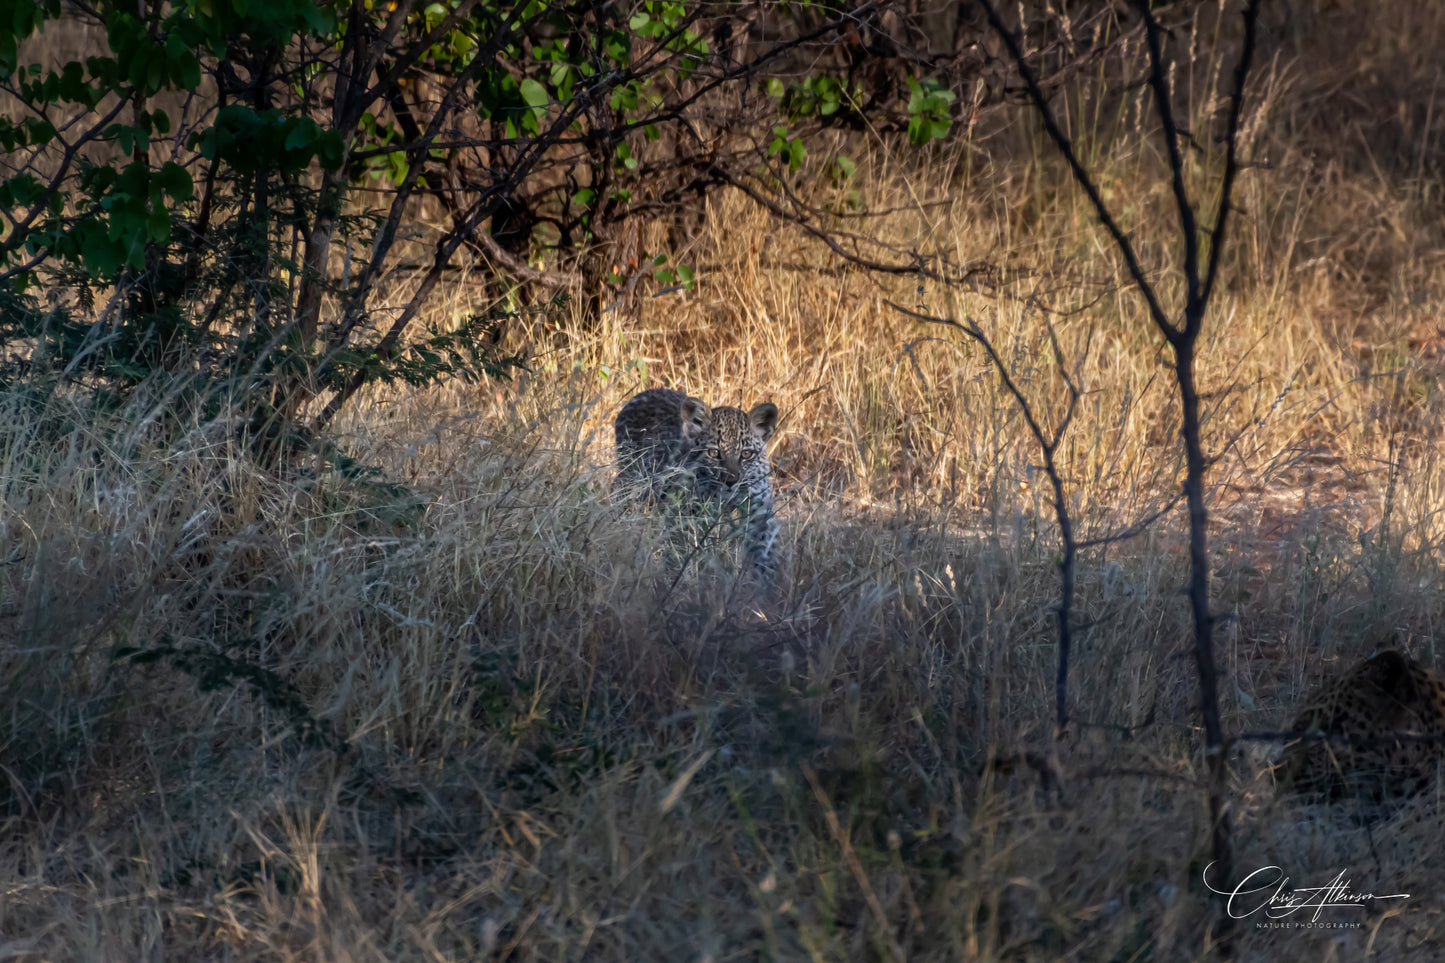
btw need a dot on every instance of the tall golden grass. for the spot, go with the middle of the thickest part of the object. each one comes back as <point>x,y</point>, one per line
<point>554,728</point>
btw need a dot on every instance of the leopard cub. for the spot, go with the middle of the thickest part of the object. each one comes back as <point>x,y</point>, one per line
<point>670,442</point>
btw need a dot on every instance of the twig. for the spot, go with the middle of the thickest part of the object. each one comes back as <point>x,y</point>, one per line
<point>1048,445</point>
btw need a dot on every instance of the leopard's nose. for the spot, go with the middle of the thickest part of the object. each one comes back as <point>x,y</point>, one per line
<point>731,471</point>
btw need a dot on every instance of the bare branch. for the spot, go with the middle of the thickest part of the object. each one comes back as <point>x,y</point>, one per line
<point>1169,131</point>
<point>1081,176</point>
<point>523,270</point>
<point>444,251</point>
<point>419,49</point>
<point>917,266</point>
<point>1231,156</point>
<point>19,233</point>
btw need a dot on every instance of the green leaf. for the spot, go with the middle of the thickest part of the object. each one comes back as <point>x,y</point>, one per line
<point>533,93</point>
<point>190,74</point>
<point>158,225</point>
<point>918,132</point>
<point>299,138</point>
<point>23,189</point>
<point>624,97</point>
<point>175,180</point>
<point>789,149</point>
<point>101,256</point>
<point>618,47</point>
<point>929,109</point>
<point>39,131</point>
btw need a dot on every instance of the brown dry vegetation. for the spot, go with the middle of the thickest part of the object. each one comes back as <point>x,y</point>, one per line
<point>538,743</point>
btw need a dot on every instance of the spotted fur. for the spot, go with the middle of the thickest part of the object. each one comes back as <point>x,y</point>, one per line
<point>670,442</point>
<point>1376,732</point>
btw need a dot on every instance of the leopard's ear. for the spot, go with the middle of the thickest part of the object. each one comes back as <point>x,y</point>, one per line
<point>764,419</point>
<point>695,417</point>
<point>1390,670</point>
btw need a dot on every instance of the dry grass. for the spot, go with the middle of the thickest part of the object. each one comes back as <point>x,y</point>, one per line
<point>537,742</point>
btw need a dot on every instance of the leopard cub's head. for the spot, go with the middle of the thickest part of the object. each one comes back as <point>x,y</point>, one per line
<point>741,447</point>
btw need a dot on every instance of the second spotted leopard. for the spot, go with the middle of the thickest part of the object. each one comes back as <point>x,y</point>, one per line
<point>1376,730</point>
